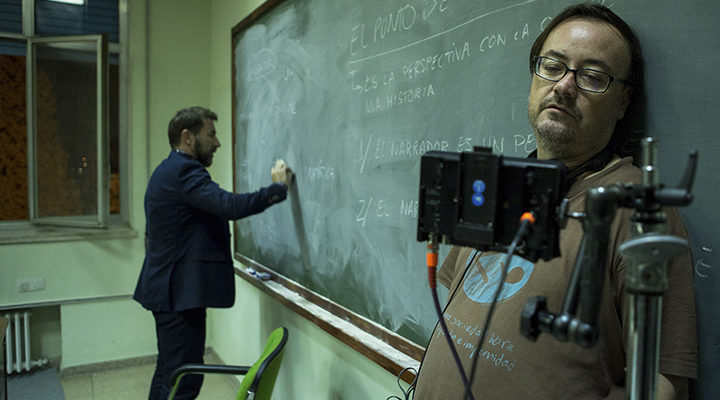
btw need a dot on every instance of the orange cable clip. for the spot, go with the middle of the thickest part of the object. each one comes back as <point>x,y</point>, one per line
<point>528,216</point>
<point>432,259</point>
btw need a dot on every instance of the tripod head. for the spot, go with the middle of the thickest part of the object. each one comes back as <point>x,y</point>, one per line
<point>585,287</point>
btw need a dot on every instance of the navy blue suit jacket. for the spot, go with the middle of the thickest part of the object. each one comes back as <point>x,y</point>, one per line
<point>188,262</point>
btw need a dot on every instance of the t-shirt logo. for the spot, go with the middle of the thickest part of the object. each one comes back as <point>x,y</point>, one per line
<point>484,277</point>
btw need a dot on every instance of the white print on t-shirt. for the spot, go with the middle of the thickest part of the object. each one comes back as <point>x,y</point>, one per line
<point>466,336</point>
<point>482,281</point>
<point>480,285</point>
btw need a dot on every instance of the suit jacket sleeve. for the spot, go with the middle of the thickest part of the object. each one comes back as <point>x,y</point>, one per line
<point>201,192</point>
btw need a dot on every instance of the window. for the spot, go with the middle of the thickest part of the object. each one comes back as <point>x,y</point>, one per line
<point>68,131</point>
<point>61,101</point>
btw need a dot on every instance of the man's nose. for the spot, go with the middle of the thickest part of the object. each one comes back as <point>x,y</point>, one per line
<point>567,85</point>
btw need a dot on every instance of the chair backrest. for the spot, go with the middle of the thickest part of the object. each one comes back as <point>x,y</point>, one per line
<point>259,382</point>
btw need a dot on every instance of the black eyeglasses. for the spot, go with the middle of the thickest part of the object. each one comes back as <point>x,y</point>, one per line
<point>587,79</point>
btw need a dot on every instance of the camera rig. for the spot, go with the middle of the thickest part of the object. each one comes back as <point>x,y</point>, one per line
<point>475,199</point>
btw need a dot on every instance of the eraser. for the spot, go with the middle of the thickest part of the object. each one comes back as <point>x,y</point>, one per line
<point>263,276</point>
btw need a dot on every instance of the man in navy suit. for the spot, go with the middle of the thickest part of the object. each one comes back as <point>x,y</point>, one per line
<point>188,266</point>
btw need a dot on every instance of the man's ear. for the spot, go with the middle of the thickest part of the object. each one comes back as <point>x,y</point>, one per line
<point>625,101</point>
<point>186,138</point>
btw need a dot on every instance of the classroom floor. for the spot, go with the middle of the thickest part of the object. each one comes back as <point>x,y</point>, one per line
<point>134,383</point>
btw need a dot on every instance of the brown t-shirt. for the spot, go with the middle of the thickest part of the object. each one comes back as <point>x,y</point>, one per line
<point>512,367</point>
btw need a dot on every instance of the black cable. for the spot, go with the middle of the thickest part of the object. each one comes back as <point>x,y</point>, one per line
<point>450,343</point>
<point>522,230</point>
<point>432,281</point>
<point>450,298</point>
<point>408,394</point>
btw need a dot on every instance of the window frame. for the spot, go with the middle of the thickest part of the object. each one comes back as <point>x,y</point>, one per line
<point>102,218</point>
<point>118,227</point>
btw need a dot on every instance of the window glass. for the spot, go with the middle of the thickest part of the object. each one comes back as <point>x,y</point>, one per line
<point>95,16</point>
<point>13,133</point>
<point>66,104</point>
<point>11,16</point>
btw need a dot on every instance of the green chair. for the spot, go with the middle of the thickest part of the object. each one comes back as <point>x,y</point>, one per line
<point>259,379</point>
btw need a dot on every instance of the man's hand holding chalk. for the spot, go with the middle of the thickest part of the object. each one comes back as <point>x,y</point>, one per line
<point>281,172</point>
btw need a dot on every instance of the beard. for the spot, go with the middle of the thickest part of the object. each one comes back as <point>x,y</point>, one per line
<point>203,156</point>
<point>554,135</point>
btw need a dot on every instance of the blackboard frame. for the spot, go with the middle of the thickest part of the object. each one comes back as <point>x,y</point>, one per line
<point>373,346</point>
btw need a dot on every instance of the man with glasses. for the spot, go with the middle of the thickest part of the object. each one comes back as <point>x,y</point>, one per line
<point>585,67</point>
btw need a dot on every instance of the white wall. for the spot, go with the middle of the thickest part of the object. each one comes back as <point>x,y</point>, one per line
<point>178,46</point>
<point>101,331</point>
<point>81,269</point>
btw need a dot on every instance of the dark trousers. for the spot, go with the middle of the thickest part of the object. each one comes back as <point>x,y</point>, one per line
<point>181,340</point>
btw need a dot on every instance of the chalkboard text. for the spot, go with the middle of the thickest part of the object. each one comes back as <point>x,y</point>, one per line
<point>319,173</point>
<point>379,148</point>
<point>524,143</point>
<point>399,98</point>
<point>392,23</point>
<point>436,61</point>
<point>496,143</point>
<point>409,208</point>
<point>372,207</point>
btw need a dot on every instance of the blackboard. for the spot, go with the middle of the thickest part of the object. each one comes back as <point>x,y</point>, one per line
<point>352,93</point>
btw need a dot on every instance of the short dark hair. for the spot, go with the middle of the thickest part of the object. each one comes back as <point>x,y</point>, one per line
<point>601,13</point>
<point>191,118</point>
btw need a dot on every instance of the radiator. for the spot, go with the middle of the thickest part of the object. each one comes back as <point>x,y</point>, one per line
<point>17,343</point>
